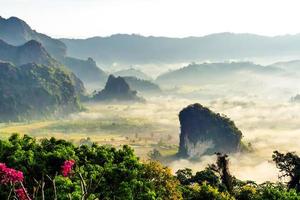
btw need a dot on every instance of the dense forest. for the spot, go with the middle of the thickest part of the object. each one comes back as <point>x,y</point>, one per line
<point>57,169</point>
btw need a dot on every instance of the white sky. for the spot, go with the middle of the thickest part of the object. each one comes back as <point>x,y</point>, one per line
<point>174,18</point>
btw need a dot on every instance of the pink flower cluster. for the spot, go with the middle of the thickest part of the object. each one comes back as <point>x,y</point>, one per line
<point>9,175</point>
<point>21,194</point>
<point>67,167</point>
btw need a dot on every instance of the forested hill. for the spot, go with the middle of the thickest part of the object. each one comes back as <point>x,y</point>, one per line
<point>32,91</point>
<point>16,32</point>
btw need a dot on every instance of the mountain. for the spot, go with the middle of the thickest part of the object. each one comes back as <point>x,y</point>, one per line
<point>32,91</point>
<point>140,85</point>
<point>31,51</point>
<point>206,132</point>
<point>16,32</point>
<point>295,99</point>
<point>214,73</point>
<point>137,49</point>
<point>116,89</point>
<point>86,70</point>
<point>133,72</point>
<point>291,66</point>
<point>34,52</point>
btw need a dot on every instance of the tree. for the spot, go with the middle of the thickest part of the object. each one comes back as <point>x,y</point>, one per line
<point>184,176</point>
<point>222,168</point>
<point>154,154</point>
<point>207,176</point>
<point>57,169</point>
<point>289,166</point>
<point>205,191</point>
<point>165,184</point>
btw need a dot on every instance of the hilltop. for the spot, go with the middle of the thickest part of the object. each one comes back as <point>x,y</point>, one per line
<point>117,89</point>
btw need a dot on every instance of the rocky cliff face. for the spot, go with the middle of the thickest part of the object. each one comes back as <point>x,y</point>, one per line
<point>117,89</point>
<point>205,132</point>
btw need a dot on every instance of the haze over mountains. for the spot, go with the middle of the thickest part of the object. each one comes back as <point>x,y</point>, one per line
<point>137,49</point>
<point>208,73</point>
<point>15,31</point>
<point>127,103</point>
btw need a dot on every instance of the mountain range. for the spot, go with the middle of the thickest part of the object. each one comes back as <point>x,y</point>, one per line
<point>137,49</point>
<point>34,52</point>
<point>16,32</point>
<point>209,73</point>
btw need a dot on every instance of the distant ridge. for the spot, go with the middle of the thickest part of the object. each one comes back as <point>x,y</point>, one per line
<point>137,49</point>
<point>16,32</point>
<point>30,52</point>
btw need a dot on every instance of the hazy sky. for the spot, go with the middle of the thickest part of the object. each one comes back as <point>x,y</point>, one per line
<point>175,18</point>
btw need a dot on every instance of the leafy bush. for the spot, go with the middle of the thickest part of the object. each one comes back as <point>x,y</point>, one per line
<point>101,172</point>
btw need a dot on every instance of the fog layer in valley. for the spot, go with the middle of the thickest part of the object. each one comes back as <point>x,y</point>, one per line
<point>268,125</point>
<point>259,104</point>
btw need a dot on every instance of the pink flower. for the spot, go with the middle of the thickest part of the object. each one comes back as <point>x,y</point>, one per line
<point>9,175</point>
<point>21,194</point>
<point>67,167</point>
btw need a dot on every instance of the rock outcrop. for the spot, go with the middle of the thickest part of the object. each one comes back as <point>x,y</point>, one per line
<point>116,89</point>
<point>205,132</point>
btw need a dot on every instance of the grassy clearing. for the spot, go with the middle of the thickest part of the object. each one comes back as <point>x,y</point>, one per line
<point>116,124</point>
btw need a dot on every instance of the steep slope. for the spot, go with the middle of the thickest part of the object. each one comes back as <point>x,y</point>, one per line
<point>205,132</point>
<point>31,91</point>
<point>31,51</point>
<point>34,52</point>
<point>16,32</point>
<point>137,49</point>
<point>86,70</point>
<point>116,89</point>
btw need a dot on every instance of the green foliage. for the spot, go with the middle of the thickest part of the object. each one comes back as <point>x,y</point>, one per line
<point>205,192</point>
<point>109,173</point>
<point>31,91</point>
<point>289,165</point>
<point>274,192</point>
<point>105,172</point>
<point>184,176</point>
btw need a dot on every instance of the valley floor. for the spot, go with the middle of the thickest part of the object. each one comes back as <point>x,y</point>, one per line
<point>266,126</point>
